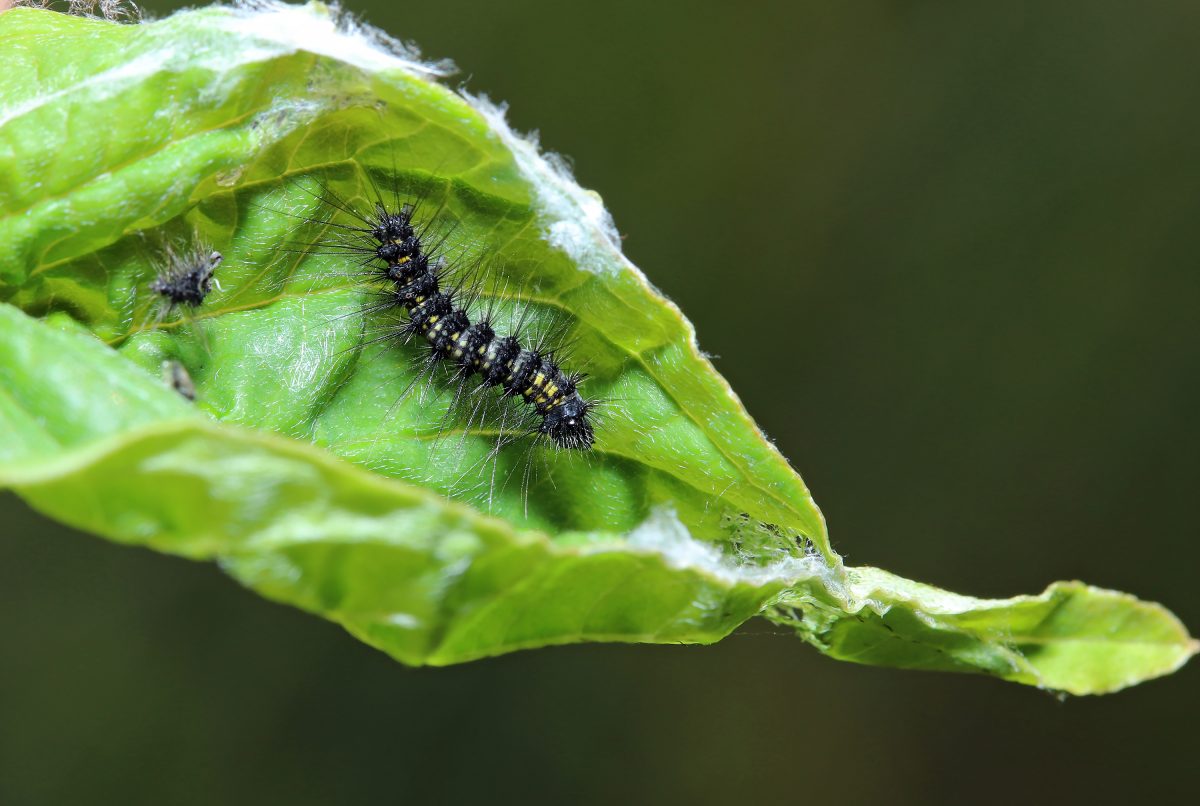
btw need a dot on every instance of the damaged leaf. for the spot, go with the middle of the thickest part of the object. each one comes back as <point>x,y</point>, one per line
<point>305,470</point>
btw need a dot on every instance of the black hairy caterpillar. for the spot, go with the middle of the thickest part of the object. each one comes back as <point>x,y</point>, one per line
<point>185,275</point>
<point>401,254</point>
<point>185,278</point>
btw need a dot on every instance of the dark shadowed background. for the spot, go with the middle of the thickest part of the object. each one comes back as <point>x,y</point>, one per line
<point>947,255</point>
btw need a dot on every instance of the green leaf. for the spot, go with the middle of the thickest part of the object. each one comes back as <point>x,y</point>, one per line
<point>306,471</point>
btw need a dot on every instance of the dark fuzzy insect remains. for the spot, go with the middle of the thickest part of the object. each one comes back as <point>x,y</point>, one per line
<point>186,279</point>
<point>176,376</point>
<point>415,277</point>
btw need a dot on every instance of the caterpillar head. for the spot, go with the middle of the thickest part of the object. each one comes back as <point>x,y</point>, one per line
<point>568,424</point>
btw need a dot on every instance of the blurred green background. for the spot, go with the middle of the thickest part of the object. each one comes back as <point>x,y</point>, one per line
<point>946,253</point>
